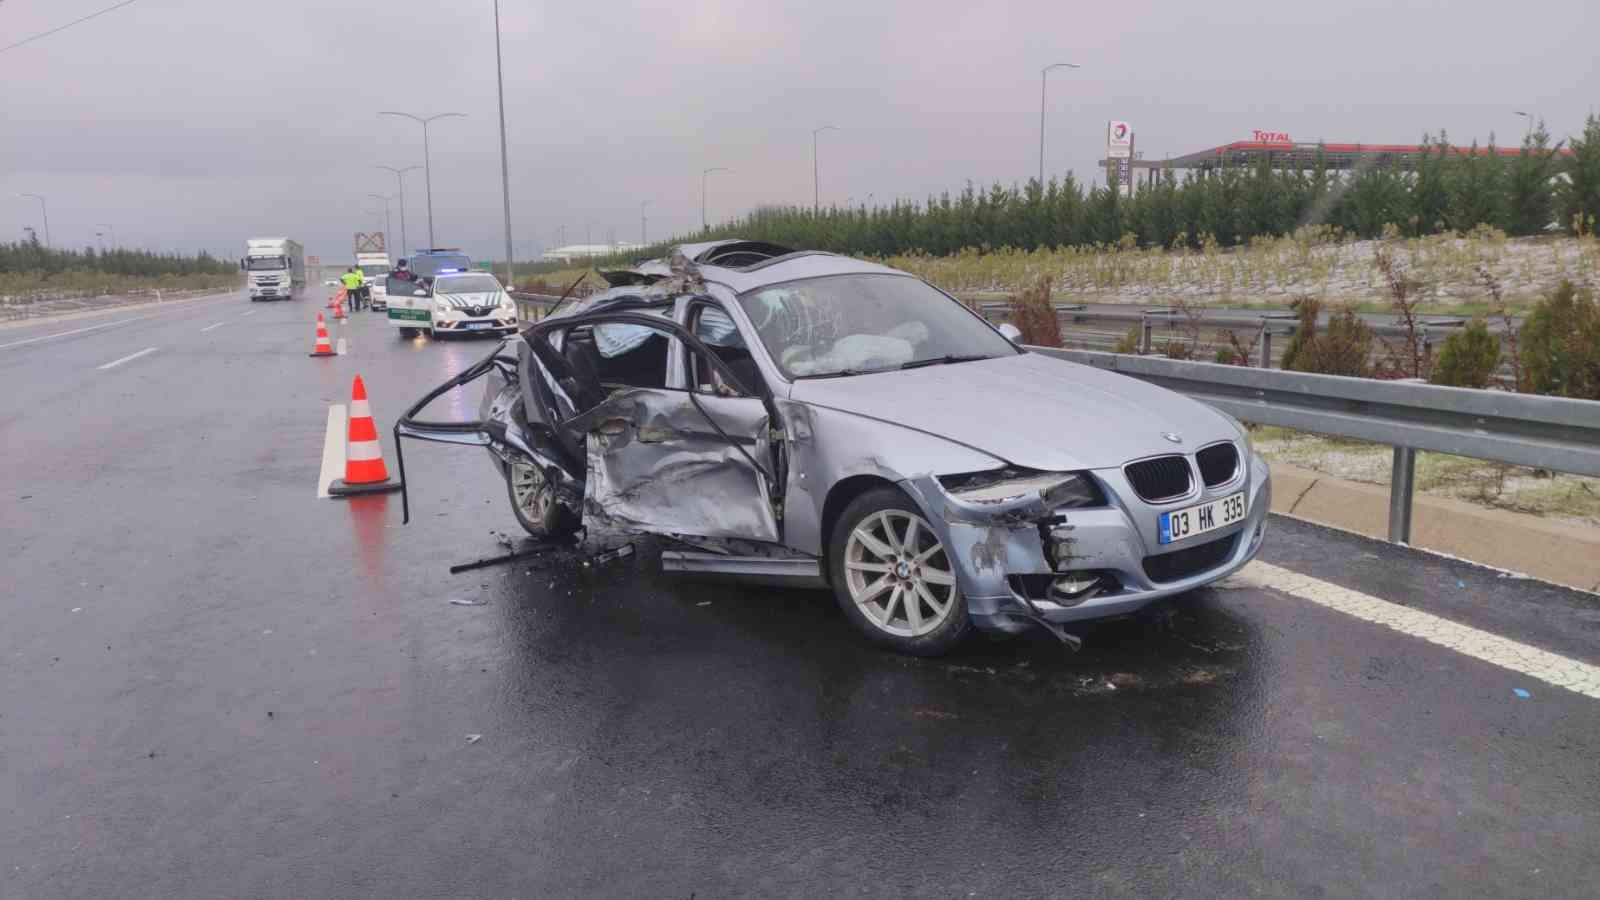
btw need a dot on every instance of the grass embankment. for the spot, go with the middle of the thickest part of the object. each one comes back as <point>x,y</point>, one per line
<point>1571,497</point>
<point>25,287</point>
<point>1270,272</point>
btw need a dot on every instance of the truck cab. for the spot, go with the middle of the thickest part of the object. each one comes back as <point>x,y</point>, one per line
<point>275,269</point>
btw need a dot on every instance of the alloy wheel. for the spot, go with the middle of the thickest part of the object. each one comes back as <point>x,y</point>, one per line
<point>531,490</point>
<point>898,573</point>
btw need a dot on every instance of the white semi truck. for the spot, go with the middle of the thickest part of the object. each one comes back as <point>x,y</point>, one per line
<point>275,268</point>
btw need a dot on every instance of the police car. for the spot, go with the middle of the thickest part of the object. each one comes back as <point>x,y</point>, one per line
<point>452,303</point>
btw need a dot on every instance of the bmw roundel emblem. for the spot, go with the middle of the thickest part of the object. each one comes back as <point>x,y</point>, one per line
<point>1173,437</point>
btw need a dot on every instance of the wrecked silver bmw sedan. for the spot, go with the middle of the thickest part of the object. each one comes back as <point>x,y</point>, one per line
<point>806,418</point>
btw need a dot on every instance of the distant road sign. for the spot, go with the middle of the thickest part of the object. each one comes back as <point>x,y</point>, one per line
<point>313,260</point>
<point>370,243</point>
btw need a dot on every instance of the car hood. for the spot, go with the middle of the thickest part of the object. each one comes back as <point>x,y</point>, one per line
<point>1030,410</point>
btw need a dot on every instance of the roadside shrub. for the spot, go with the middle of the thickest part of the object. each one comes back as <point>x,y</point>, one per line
<point>1343,349</point>
<point>1468,358</point>
<point>1129,342</point>
<point>1035,317</point>
<point>1561,344</point>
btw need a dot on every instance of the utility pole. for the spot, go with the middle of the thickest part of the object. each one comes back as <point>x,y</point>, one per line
<point>1043,76</point>
<point>815,189</point>
<point>642,241</point>
<point>427,162</point>
<point>113,229</point>
<point>703,175</point>
<point>399,177</point>
<point>45,212</point>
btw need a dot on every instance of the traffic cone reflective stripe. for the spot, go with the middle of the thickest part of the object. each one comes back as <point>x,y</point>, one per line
<point>323,346</point>
<point>364,471</point>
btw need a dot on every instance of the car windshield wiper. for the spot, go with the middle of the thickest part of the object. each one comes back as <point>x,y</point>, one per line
<point>941,360</point>
<point>842,373</point>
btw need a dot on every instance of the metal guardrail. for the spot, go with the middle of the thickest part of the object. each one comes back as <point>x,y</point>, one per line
<point>1553,433</point>
<point>1103,328</point>
<point>531,307</point>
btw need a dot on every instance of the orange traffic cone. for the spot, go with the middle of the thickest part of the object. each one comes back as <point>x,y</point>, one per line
<point>323,347</point>
<point>364,471</point>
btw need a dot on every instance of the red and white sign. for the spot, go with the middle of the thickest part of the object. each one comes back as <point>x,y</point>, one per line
<point>1270,137</point>
<point>1119,140</point>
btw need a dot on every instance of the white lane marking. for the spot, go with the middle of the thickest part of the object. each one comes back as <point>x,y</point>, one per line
<point>247,315</point>
<point>58,334</point>
<point>332,449</point>
<point>1551,668</point>
<point>342,347</point>
<point>129,358</point>
<point>45,337</point>
<point>209,327</point>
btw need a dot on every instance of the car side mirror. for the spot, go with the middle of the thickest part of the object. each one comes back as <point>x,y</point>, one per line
<point>1011,332</point>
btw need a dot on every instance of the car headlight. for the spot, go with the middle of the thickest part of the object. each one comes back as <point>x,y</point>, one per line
<point>1056,489</point>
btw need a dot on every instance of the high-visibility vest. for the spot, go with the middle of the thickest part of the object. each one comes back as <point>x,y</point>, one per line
<point>351,280</point>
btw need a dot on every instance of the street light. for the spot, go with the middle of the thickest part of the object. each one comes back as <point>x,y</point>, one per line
<point>427,164</point>
<point>505,171</point>
<point>398,177</point>
<point>387,224</point>
<point>112,229</point>
<point>1044,75</point>
<point>815,191</point>
<point>642,241</point>
<point>44,211</point>
<point>703,192</point>
<point>1529,117</point>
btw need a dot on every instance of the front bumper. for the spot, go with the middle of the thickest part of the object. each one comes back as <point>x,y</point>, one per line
<point>486,325</point>
<point>989,545</point>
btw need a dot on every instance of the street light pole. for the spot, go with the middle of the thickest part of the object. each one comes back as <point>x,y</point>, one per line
<point>387,223</point>
<point>505,170</point>
<point>1529,117</point>
<point>1044,75</point>
<point>427,162</point>
<point>399,177</point>
<point>642,241</point>
<point>43,211</point>
<point>113,230</point>
<point>703,175</point>
<point>815,188</point>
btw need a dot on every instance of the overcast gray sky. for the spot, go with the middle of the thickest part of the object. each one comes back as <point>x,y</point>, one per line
<point>192,124</point>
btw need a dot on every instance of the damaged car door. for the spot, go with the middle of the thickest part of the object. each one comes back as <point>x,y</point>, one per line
<point>665,454</point>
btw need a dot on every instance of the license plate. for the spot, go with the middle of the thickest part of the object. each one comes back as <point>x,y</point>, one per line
<point>1186,523</point>
<point>479,326</point>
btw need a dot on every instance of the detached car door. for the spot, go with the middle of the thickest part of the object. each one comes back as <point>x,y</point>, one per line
<point>663,459</point>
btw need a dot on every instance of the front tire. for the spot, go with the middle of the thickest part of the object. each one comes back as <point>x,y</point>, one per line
<point>893,578</point>
<point>533,502</point>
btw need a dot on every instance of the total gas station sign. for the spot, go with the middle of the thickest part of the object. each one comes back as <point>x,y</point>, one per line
<point>1270,137</point>
<point>1119,140</point>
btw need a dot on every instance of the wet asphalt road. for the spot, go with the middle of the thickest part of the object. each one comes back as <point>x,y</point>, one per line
<point>214,684</point>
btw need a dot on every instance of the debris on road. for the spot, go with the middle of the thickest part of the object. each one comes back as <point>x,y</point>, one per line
<point>606,556</point>
<point>468,601</point>
<point>1521,694</point>
<point>497,560</point>
<point>474,738</point>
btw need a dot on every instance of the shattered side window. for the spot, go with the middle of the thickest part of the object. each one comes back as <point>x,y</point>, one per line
<point>716,329</point>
